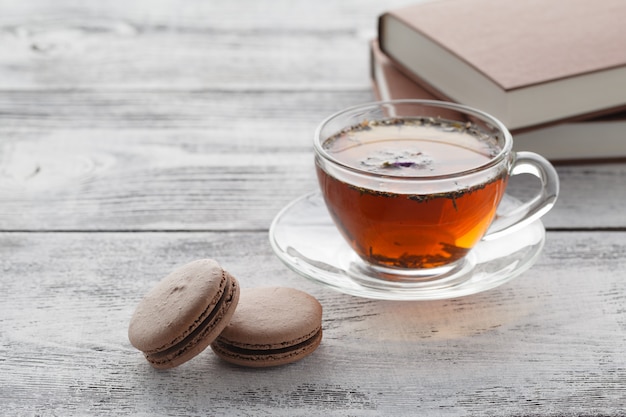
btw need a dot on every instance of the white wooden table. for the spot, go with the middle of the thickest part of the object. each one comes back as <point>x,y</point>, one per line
<point>136,136</point>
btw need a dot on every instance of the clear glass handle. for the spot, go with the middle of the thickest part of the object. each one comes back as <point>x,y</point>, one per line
<point>540,204</point>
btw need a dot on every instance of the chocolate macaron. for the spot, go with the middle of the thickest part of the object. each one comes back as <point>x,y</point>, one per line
<point>271,326</point>
<point>184,313</point>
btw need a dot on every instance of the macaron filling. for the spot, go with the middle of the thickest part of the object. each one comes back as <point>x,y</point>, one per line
<point>257,352</point>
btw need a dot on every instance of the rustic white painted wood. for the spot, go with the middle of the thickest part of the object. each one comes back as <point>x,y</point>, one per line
<point>195,44</point>
<point>551,342</point>
<point>230,172</point>
<point>137,136</point>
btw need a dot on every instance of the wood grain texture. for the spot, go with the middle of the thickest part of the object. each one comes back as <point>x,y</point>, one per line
<point>114,117</point>
<point>200,44</point>
<point>217,173</point>
<point>550,342</point>
<point>138,136</point>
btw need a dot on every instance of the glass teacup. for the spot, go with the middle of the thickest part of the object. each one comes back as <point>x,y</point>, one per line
<point>414,185</point>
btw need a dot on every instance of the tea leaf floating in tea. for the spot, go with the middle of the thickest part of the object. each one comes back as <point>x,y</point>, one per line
<point>385,160</point>
<point>410,261</point>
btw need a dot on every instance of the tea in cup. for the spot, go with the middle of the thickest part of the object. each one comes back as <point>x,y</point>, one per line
<point>414,185</point>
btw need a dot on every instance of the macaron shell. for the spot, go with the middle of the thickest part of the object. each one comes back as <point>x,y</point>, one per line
<point>271,326</point>
<point>183,313</point>
<point>203,336</point>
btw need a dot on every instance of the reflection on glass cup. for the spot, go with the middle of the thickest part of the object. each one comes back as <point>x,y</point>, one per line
<point>413,185</point>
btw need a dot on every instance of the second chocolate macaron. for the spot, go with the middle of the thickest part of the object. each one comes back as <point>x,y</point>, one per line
<point>271,326</point>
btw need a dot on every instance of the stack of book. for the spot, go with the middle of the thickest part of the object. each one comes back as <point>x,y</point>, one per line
<point>554,72</point>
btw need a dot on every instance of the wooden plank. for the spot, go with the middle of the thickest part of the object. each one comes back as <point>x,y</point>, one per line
<point>550,342</point>
<point>164,161</point>
<point>145,44</point>
<point>183,61</point>
<point>196,15</point>
<point>266,110</point>
<point>198,161</point>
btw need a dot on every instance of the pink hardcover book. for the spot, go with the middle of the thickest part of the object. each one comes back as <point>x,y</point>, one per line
<point>593,140</point>
<point>529,62</point>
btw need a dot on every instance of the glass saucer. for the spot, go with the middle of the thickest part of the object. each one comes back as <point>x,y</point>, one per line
<point>305,238</point>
